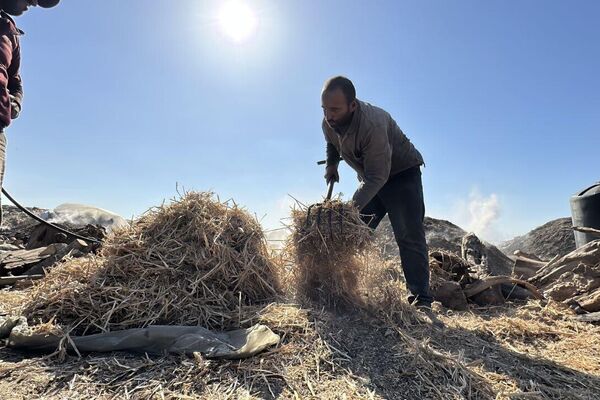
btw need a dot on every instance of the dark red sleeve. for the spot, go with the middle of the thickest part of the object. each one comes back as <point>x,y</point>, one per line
<point>15,85</point>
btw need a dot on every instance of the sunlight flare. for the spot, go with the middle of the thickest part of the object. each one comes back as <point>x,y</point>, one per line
<point>237,20</point>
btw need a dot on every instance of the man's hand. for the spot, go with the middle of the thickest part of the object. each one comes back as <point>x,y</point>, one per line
<point>331,174</point>
<point>15,107</point>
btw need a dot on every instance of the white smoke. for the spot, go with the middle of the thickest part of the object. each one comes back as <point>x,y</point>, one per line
<point>483,212</point>
<point>480,214</point>
<point>81,215</point>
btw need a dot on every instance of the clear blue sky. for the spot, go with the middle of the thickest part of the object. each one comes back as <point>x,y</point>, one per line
<point>125,99</point>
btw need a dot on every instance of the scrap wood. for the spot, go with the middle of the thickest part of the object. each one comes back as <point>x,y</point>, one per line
<point>11,280</point>
<point>530,256</point>
<point>590,301</point>
<point>19,258</point>
<point>591,317</point>
<point>589,231</point>
<point>471,290</point>
<point>588,254</point>
<point>526,267</point>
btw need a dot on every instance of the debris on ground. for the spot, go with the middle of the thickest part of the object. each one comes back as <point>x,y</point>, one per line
<point>158,271</point>
<point>573,279</point>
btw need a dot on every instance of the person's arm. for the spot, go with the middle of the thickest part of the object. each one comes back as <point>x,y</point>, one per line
<point>377,163</point>
<point>333,156</point>
<point>333,159</point>
<point>15,85</point>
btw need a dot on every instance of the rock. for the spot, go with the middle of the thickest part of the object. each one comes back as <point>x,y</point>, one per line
<point>490,297</point>
<point>451,295</point>
<point>472,249</point>
<point>561,291</point>
<point>591,303</point>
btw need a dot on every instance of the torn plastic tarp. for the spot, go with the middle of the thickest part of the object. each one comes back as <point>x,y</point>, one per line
<point>157,339</point>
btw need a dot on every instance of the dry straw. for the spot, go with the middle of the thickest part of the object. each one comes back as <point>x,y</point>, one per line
<point>195,261</point>
<point>326,244</point>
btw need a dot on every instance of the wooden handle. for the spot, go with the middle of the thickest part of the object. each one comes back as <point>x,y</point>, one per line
<point>330,191</point>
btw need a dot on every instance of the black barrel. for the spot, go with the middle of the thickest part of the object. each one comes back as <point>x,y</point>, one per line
<point>585,211</point>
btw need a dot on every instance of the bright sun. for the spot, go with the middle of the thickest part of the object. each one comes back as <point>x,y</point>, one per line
<point>237,21</point>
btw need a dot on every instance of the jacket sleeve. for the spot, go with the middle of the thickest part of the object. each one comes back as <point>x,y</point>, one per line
<point>15,85</point>
<point>333,155</point>
<point>377,163</point>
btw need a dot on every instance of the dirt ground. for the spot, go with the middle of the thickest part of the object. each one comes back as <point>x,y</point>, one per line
<point>514,351</point>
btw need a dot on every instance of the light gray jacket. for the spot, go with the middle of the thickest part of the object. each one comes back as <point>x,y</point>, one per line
<point>375,147</point>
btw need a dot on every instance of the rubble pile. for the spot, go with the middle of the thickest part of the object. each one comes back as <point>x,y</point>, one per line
<point>573,279</point>
<point>29,249</point>
<point>544,242</point>
<point>444,235</point>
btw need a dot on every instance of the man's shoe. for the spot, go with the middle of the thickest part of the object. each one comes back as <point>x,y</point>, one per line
<point>422,305</point>
<point>424,308</point>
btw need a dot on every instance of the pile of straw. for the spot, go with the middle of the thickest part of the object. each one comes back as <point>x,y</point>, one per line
<point>195,261</point>
<point>328,244</point>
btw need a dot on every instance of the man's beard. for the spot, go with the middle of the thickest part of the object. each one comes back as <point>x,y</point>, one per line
<point>343,123</point>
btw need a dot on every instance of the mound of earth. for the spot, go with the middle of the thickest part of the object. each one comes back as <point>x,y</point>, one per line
<point>18,225</point>
<point>445,235</point>
<point>546,241</point>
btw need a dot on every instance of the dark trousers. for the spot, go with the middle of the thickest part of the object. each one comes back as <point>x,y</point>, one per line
<point>402,199</point>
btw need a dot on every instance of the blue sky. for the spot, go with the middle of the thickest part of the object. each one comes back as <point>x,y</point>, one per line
<point>125,100</point>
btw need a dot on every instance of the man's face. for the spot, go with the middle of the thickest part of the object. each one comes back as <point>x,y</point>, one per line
<point>336,109</point>
<point>17,7</point>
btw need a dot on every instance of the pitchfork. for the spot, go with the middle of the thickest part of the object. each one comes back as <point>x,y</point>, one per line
<point>319,208</point>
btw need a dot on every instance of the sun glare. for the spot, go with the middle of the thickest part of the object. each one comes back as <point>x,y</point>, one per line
<point>237,21</point>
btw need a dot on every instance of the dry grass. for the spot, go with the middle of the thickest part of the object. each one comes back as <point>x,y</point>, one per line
<point>530,351</point>
<point>327,248</point>
<point>382,349</point>
<point>195,261</point>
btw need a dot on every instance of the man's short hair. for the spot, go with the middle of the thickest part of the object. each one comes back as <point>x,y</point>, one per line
<point>342,83</point>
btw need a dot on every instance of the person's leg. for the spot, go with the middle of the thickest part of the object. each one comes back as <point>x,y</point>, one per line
<point>2,162</point>
<point>402,196</point>
<point>373,213</point>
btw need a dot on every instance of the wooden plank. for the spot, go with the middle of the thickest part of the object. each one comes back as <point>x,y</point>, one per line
<point>480,286</point>
<point>589,231</point>
<point>591,317</point>
<point>18,258</point>
<point>11,280</point>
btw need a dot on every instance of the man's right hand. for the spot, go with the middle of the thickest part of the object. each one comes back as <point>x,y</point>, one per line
<point>331,174</point>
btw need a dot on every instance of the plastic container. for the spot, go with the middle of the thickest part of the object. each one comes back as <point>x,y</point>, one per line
<point>585,212</point>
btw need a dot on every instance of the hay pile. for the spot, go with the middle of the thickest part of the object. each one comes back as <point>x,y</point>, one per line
<point>195,261</point>
<point>327,246</point>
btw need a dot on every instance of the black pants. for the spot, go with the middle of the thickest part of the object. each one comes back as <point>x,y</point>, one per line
<point>402,199</point>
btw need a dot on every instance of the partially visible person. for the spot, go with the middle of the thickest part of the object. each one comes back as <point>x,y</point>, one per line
<point>11,87</point>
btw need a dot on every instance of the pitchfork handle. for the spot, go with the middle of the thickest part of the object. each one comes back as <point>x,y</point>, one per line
<point>330,191</point>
